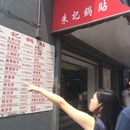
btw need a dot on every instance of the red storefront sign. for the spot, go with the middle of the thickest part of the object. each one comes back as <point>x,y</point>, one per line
<point>68,14</point>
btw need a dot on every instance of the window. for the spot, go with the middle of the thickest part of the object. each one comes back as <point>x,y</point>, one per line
<point>106,78</point>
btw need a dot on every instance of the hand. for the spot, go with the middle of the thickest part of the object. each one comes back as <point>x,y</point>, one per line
<point>31,87</point>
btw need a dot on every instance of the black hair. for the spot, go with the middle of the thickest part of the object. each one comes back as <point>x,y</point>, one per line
<point>109,109</point>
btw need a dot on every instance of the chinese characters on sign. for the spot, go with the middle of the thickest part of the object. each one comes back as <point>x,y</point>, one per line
<point>23,58</point>
<point>102,6</point>
<point>74,13</point>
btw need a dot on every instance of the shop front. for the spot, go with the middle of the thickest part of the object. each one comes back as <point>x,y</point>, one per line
<point>84,70</point>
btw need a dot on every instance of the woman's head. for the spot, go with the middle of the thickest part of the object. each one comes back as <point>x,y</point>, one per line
<point>94,103</point>
<point>105,105</point>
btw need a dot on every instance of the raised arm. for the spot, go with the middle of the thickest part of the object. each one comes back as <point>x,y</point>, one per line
<point>83,119</point>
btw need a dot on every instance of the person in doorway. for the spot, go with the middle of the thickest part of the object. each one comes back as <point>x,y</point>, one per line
<point>126,95</point>
<point>104,106</point>
<point>123,122</point>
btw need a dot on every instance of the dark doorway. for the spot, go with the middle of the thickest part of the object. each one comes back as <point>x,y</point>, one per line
<point>74,90</point>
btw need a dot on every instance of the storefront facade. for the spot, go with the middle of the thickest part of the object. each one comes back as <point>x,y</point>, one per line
<point>79,68</point>
<point>83,71</point>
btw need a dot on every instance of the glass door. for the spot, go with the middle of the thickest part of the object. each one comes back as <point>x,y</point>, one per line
<point>74,91</point>
<point>74,84</point>
<point>79,80</point>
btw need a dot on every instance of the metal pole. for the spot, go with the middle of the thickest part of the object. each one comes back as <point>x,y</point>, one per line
<point>55,120</point>
<point>38,21</point>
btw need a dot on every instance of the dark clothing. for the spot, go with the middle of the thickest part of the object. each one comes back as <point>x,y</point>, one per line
<point>99,125</point>
<point>123,122</point>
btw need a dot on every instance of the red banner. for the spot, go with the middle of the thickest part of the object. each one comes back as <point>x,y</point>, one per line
<point>68,14</point>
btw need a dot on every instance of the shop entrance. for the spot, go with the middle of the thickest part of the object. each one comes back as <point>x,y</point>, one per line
<point>74,85</point>
<point>76,88</point>
<point>74,91</point>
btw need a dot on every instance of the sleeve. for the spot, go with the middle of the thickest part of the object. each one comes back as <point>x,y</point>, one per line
<point>99,125</point>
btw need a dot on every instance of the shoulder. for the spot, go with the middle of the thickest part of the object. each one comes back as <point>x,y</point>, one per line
<point>99,125</point>
<point>124,114</point>
<point>126,111</point>
<point>123,120</point>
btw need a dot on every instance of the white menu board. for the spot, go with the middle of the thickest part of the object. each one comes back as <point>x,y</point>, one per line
<point>23,58</point>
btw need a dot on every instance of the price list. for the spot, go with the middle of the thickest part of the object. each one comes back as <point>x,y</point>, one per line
<point>23,58</point>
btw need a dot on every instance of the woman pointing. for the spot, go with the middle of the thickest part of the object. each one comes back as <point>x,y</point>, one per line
<point>104,107</point>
